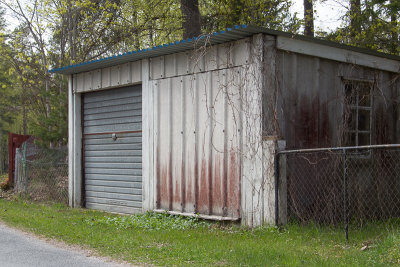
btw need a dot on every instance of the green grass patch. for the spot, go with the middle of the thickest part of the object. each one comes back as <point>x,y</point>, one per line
<point>162,239</point>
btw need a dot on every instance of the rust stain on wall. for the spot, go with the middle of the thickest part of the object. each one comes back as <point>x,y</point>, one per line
<point>183,185</point>
<point>203,205</point>
<point>216,187</point>
<point>233,204</point>
<point>189,197</point>
<point>164,189</point>
<point>177,194</point>
<point>170,182</point>
<point>158,174</point>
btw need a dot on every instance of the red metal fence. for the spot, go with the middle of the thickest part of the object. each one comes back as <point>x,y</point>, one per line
<point>14,142</point>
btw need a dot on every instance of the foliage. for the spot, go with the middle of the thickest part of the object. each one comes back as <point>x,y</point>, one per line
<point>375,26</point>
<point>4,185</point>
<point>273,14</point>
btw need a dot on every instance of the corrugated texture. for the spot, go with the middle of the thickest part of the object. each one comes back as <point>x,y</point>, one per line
<point>230,34</point>
<point>231,54</point>
<point>197,143</point>
<point>113,168</point>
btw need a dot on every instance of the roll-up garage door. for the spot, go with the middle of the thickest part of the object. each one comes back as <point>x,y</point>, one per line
<point>113,149</point>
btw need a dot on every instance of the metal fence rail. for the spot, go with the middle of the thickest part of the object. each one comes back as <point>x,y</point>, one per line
<point>41,173</point>
<point>342,185</point>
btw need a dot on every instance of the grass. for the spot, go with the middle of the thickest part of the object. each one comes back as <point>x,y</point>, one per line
<point>162,239</point>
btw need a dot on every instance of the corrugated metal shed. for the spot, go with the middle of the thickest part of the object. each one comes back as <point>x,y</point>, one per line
<point>203,116</point>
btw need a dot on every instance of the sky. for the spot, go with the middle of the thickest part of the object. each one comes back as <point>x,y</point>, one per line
<point>326,12</point>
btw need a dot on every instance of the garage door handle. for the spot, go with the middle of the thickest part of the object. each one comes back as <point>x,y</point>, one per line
<point>107,133</point>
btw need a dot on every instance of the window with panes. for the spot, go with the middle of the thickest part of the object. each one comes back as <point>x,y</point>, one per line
<point>358,112</point>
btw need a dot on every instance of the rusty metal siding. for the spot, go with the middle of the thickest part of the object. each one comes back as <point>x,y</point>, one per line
<point>113,167</point>
<point>14,142</point>
<point>197,129</point>
<point>197,140</point>
<point>312,100</point>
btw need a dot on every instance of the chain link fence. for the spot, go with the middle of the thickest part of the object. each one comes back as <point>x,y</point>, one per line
<point>347,186</point>
<point>41,174</point>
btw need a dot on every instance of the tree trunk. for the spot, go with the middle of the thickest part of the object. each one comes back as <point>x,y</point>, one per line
<point>24,116</point>
<point>191,18</point>
<point>355,17</point>
<point>308,18</point>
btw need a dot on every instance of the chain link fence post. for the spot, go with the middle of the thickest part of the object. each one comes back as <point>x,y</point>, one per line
<point>346,223</point>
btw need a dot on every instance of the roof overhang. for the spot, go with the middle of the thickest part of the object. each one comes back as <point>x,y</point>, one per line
<point>230,34</point>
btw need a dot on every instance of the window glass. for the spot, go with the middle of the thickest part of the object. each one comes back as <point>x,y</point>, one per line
<point>364,120</point>
<point>364,95</point>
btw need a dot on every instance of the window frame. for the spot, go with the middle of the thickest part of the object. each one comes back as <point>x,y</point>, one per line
<point>356,107</point>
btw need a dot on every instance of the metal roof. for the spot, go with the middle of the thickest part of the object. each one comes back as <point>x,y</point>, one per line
<point>230,34</point>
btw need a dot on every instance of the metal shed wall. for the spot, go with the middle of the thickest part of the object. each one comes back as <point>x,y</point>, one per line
<point>312,100</point>
<point>202,135</point>
<point>197,126</point>
<point>198,143</point>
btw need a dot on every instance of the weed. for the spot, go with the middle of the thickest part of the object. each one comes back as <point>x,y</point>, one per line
<point>4,184</point>
<point>151,221</point>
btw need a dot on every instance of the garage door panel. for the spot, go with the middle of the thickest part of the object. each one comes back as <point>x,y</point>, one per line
<point>136,172</point>
<point>136,159</point>
<point>106,195</point>
<point>113,177</point>
<point>109,115</point>
<point>101,147</point>
<point>108,140</point>
<point>119,120</point>
<point>112,95</point>
<point>114,128</point>
<point>116,102</point>
<point>117,165</point>
<point>133,108</point>
<point>114,189</point>
<point>114,183</point>
<point>113,166</point>
<point>133,135</point>
<point>112,114</point>
<point>108,153</point>
<point>107,201</point>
